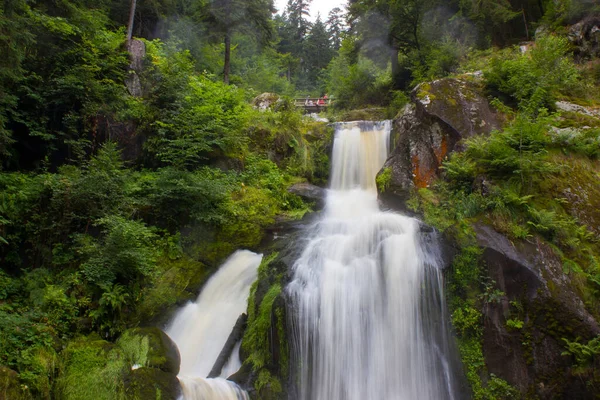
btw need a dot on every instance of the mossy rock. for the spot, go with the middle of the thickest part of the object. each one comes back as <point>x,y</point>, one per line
<point>151,383</point>
<point>91,365</point>
<point>365,114</point>
<point>151,347</point>
<point>10,387</point>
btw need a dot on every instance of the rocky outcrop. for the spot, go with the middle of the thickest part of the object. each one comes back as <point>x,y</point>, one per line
<point>444,112</point>
<point>309,192</point>
<point>162,354</point>
<point>539,295</point>
<point>152,383</point>
<point>265,101</point>
<point>585,37</point>
<point>576,108</point>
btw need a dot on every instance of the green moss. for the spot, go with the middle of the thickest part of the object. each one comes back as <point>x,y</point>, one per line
<point>383,180</point>
<point>366,114</point>
<point>91,366</point>
<point>178,279</point>
<point>424,91</point>
<point>256,339</point>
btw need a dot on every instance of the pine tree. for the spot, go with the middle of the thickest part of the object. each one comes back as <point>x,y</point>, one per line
<point>317,51</point>
<point>335,27</point>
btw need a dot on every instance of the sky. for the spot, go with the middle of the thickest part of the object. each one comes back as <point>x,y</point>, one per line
<point>317,6</point>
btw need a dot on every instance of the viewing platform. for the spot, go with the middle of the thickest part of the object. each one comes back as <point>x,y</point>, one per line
<point>311,104</point>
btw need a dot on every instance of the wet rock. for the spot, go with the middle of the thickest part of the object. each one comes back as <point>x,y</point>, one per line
<point>585,37</point>
<point>425,133</point>
<point>309,192</point>
<point>10,387</point>
<point>531,276</point>
<point>265,101</point>
<point>365,114</point>
<point>234,337</point>
<point>163,353</point>
<point>152,383</point>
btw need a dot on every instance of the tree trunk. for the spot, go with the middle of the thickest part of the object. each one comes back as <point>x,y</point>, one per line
<point>227,64</point>
<point>131,18</point>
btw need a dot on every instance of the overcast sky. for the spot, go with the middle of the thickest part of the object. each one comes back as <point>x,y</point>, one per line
<point>317,6</point>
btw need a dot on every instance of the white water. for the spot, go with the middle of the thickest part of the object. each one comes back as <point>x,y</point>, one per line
<point>201,329</point>
<point>368,300</point>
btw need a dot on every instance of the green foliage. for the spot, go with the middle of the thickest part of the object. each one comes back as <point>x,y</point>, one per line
<point>585,354</point>
<point>195,117</point>
<point>467,321</point>
<point>126,252</point>
<point>515,324</point>
<point>357,85</point>
<point>535,78</point>
<point>135,349</point>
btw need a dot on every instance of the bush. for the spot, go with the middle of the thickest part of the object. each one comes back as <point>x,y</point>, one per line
<point>357,85</point>
<point>535,78</point>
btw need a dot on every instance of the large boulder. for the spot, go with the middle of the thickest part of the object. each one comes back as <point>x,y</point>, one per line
<point>585,37</point>
<point>538,294</point>
<point>309,192</point>
<point>151,383</point>
<point>161,352</point>
<point>444,112</point>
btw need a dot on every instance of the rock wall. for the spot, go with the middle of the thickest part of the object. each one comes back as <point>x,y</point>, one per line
<point>539,294</point>
<point>442,114</point>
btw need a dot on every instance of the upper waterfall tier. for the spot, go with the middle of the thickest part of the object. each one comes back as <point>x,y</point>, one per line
<point>359,154</point>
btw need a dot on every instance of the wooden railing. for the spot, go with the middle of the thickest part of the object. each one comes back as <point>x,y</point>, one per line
<point>311,104</point>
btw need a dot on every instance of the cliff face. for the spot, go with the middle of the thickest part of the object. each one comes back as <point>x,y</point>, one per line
<point>529,306</point>
<point>442,114</point>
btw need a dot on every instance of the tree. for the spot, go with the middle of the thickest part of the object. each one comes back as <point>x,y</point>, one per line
<point>317,50</point>
<point>228,16</point>
<point>335,27</point>
<point>396,23</point>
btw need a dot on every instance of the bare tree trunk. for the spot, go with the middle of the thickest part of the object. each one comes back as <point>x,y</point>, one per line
<point>525,22</point>
<point>227,64</point>
<point>131,18</point>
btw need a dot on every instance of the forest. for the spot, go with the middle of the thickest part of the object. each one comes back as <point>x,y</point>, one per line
<point>131,168</point>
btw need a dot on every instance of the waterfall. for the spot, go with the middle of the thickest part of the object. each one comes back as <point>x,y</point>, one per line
<point>368,311</point>
<point>201,329</point>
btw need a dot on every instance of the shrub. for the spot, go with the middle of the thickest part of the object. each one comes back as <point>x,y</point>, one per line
<point>535,78</point>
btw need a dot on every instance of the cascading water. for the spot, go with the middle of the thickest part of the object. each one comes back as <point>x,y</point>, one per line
<point>201,329</point>
<point>368,309</point>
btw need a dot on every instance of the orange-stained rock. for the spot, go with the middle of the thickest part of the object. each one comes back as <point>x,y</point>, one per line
<point>425,133</point>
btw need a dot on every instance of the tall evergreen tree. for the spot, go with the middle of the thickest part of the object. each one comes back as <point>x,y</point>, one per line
<point>317,51</point>
<point>335,27</point>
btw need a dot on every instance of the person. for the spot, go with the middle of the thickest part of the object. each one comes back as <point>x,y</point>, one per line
<point>311,103</point>
<point>321,102</point>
